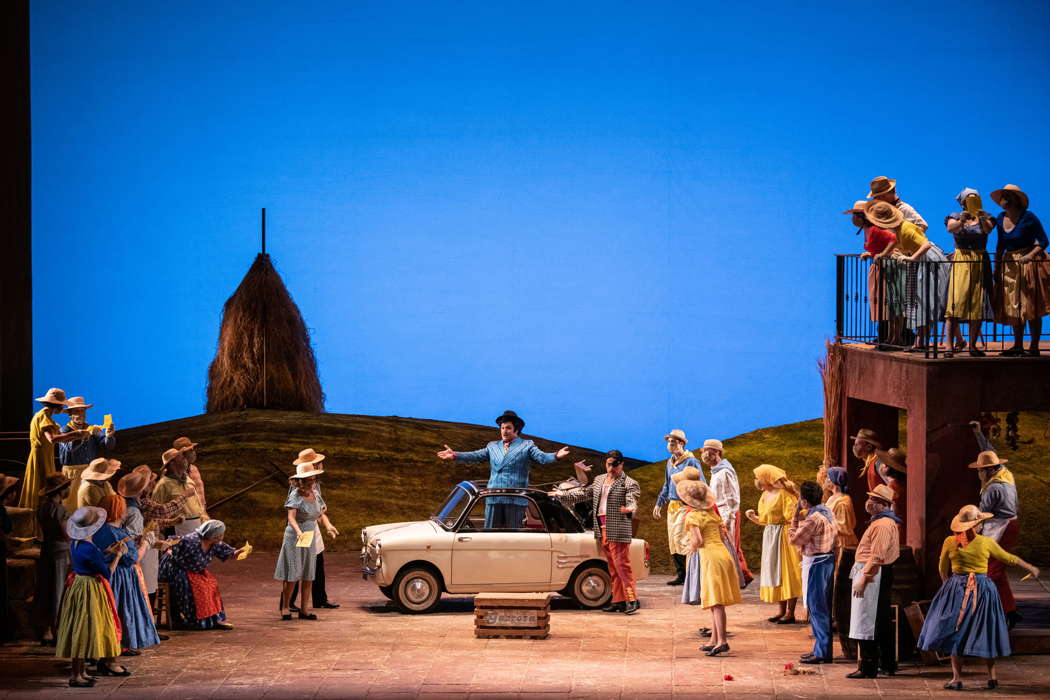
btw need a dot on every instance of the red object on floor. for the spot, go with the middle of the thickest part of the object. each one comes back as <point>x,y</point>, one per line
<point>206,596</point>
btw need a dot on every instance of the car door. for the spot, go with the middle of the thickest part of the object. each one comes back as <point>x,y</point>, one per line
<point>512,558</point>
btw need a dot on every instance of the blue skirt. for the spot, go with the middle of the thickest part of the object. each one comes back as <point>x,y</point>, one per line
<point>691,585</point>
<point>982,631</point>
<point>133,608</point>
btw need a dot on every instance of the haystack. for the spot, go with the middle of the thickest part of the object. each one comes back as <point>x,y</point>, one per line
<point>264,358</point>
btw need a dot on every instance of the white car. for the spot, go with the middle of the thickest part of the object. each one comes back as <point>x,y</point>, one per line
<point>414,563</point>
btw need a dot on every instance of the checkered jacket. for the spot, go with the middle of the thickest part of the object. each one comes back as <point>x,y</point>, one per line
<point>625,491</point>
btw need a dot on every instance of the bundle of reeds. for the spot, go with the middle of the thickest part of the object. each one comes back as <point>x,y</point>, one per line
<point>264,358</point>
<point>830,367</point>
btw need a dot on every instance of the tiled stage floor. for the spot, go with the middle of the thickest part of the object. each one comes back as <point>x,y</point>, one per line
<point>363,649</point>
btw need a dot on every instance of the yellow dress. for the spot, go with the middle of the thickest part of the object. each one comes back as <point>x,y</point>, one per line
<point>719,582</point>
<point>777,512</point>
<point>41,462</point>
<point>841,506</point>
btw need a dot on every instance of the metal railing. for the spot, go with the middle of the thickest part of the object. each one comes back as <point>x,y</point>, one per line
<point>899,304</point>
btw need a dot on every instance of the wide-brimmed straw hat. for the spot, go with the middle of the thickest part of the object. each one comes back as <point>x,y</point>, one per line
<point>678,434</point>
<point>858,207</point>
<point>100,469</point>
<point>183,444</point>
<point>712,444</point>
<point>131,485</point>
<point>896,458</point>
<point>85,522</point>
<point>513,417</point>
<point>687,474</point>
<point>169,454</point>
<point>882,492</point>
<point>53,395</point>
<point>868,435</point>
<point>7,483</point>
<point>306,469</point>
<point>968,517</point>
<point>881,185</point>
<point>884,215</point>
<point>987,460</point>
<point>53,484</point>
<point>997,195</point>
<point>308,456</point>
<point>77,402</point>
<point>696,494</point>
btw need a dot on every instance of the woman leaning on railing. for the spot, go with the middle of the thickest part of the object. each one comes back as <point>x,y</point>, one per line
<point>970,276</point>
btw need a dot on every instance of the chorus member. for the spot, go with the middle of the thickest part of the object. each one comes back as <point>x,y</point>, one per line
<point>966,617</point>
<point>865,444</point>
<point>691,585</point>
<point>815,536</point>
<point>970,280</point>
<point>872,577</point>
<point>95,486</point>
<point>136,617</point>
<point>318,589</point>
<point>677,542</point>
<point>726,487</point>
<point>884,189</point>
<point>44,435</point>
<point>75,456</point>
<point>509,460</point>
<point>88,624</point>
<point>781,575</point>
<point>197,603</point>
<point>720,585</point>
<point>614,500</point>
<point>885,281</point>
<point>1023,277</point>
<point>841,506</point>
<point>176,483</point>
<point>303,507</point>
<point>130,487</point>
<point>893,470</point>
<point>188,448</point>
<point>926,283</point>
<point>53,564</point>
<point>999,497</point>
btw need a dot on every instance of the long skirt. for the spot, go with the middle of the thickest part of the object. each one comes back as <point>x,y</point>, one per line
<point>691,585</point>
<point>150,563</point>
<point>885,290</point>
<point>51,570</point>
<point>39,466</point>
<point>136,618</point>
<point>966,619</point>
<point>1023,289</point>
<point>87,627</point>
<point>720,574</point>
<point>204,614</point>
<point>927,288</point>
<point>970,286</point>
<point>73,472</point>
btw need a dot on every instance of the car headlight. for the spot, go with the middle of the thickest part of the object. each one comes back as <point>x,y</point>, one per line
<point>364,536</point>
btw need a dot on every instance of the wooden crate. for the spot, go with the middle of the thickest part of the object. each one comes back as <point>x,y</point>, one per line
<point>515,615</point>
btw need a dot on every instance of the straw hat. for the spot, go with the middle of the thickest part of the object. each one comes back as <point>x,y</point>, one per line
<point>184,444</point>
<point>858,207</point>
<point>884,215</point>
<point>882,492</point>
<point>997,196</point>
<point>987,460</point>
<point>881,185</point>
<point>100,469</point>
<point>53,483</point>
<point>131,485</point>
<point>306,469</point>
<point>687,474</point>
<point>169,454</point>
<point>896,458</point>
<point>77,402</point>
<point>868,435</point>
<point>513,417</point>
<point>7,483</point>
<point>695,494</point>
<point>85,522</point>
<point>968,517</point>
<point>678,434</point>
<point>712,444</point>
<point>308,456</point>
<point>53,395</point>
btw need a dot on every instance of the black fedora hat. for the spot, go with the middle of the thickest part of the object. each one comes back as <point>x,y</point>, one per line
<point>513,418</point>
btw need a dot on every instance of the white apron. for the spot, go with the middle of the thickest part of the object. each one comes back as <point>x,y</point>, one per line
<point>862,611</point>
<point>770,575</point>
<point>807,561</point>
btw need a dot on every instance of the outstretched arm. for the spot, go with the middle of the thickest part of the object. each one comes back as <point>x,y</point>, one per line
<point>475,456</point>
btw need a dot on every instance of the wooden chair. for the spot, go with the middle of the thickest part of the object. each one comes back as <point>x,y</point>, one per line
<point>162,607</point>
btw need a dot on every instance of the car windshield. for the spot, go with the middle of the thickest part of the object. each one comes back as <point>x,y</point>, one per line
<point>449,513</point>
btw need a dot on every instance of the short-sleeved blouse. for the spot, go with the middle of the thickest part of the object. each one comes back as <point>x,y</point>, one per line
<point>305,511</point>
<point>876,239</point>
<point>778,510</point>
<point>910,238</point>
<point>970,236</point>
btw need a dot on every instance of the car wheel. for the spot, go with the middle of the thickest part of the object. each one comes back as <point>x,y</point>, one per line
<point>387,591</point>
<point>591,586</point>
<point>416,590</point>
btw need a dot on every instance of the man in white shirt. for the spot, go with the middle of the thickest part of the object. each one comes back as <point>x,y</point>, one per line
<point>726,488</point>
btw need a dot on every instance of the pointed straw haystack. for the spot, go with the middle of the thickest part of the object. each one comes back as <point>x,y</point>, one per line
<point>830,368</point>
<point>264,359</point>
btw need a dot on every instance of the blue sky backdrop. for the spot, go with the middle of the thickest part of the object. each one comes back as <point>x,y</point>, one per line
<point>613,218</point>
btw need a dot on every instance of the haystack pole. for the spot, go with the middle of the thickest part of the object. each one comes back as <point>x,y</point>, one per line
<point>264,358</point>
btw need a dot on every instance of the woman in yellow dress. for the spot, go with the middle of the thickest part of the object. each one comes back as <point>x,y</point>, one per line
<point>719,577</point>
<point>781,577</point>
<point>44,434</point>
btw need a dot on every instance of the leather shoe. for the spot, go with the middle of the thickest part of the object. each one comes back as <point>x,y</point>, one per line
<point>704,632</point>
<point>861,674</point>
<point>614,607</point>
<point>718,650</point>
<point>328,605</point>
<point>953,685</point>
<point>815,660</point>
<point>707,647</point>
<point>631,607</point>
<point>807,656</point>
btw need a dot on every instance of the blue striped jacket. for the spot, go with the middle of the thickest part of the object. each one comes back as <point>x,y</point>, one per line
<point>509,469</point>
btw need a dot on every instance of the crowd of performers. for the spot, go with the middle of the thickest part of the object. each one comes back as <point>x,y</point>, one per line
<point>911,286</point>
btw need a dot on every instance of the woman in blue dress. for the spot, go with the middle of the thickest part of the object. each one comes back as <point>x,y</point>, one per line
<point>136,619</point>
<point>303,507</point>
<point>194,590</point>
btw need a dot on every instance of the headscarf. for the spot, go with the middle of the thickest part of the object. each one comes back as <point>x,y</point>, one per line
<point>210,529</point>
<point>768,474</point>
<point>839,477</point>
<point>823,510</point>
<point>961,199</point>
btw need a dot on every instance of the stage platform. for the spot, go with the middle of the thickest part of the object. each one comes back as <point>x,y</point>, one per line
<point>364,649</point>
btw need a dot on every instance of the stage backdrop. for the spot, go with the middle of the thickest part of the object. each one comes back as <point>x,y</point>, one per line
<point>613,219</point>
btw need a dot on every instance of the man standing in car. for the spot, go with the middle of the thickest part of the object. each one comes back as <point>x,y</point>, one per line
<point>510,459</point>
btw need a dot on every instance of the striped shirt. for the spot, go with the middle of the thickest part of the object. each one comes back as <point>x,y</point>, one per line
<point>814,535</point>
